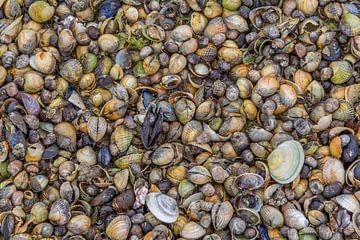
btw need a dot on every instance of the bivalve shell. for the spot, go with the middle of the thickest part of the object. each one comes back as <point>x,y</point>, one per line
<point>119,228</point>
<point>163,207</point>
<point>286,161</point>
<point>192,230</point>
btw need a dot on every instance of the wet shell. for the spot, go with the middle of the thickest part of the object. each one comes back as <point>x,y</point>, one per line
<point>163,207</point>
<point>342,71</point>
<point>215,26</point>
<point>221,214</point>
<point>41,11</point>
<point>350,24</point>
<point>60,213</point>
<point>192,230</point>
<point>271,216</point>
<point>250,181</point>
<point>295,219</point>
<point>267,86</point>
<point>119,228</point>
<point>97,128</point>
<point>236,22</point>
<point>352,93</point>
<point>345,112</point>
<point>27,41</point>
<point>207,53</point>
<point>333,171</point>
<point>348,201</point>
<point>307,6</point>
<point>122,137</point>
<point>286,161</point>
<point>181,33</point>
<point>198,22</point>
<point>43,62</point>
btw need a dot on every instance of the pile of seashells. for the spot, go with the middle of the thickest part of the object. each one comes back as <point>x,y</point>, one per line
<point>179,119</point>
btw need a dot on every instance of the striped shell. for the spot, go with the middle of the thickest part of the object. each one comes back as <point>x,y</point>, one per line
<point>215,26</point>
<point>207,53</point>
<point>345,112</point>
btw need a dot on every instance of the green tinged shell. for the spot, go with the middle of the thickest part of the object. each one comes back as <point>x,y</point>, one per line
<point>342,71</point>
<point>41,11</point>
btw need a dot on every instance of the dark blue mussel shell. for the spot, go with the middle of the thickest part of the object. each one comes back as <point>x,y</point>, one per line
<point>109,8</point>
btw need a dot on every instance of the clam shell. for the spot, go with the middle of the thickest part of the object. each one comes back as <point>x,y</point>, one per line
<point>348,201</point>
<point>162,207</point>
<point>192,230</point>
<point>352,93</point>
<point>333,171</point>
<point>286,161</point>
<point>43,62</point>
<point>97,128</point>
<point>295,219</point>
<point>207,53</point>
<point>249,216</point>
<point>250,181</point>
<point>355,221</point>
<point>271,216</point>
<point>345,112</point>
<point>119,228</point>
<point>215,26</point>
<point>221,214</point>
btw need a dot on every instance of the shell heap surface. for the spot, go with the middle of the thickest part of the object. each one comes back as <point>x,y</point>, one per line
<point>183,119</point>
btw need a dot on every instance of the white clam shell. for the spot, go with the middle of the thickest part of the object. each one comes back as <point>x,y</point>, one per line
<point>162,207</point>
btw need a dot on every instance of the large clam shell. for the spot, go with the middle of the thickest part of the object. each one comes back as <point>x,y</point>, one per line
<point>286,161</point>
<point>162,207</point>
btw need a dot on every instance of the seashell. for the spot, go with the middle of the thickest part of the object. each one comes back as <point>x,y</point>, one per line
<point>41,11</point>
<point>342,71</point>
<point>199,175</point>
<point>86,155</point>
<point>351,94</point>
<point>122,137</point>
<point>288,95</point>
<point>163,207</point>
<point>163,155</point>
<point>43,62</point>
<point>295,219</point>
<point>307,6</point>
<point>170,81</point>
<point>207,53</point>
<point>356,221</point>
<point>125,161</point>
<point>96,128</point>
<point>311,61</point>
<point>317,217</point>
<point>215,26</point>
<point>67,42</point>
<point>236,22</point>
<point>249,181</point>
<point>267,86</point>
<point>221,214</point>
<point>288,155</point>
<point>177,63</point>
<point>72,71</point>
<point>34,152</point>
<point>259,134</point>
<point>60,213</point>
<point>352,174</point>
<point>355,46</point>
<point>108,9</point>
<point>27,41</point>
<point>249,216</point>
<point>350,24</point>
<point>119,228</point>
<point>79,224</point>
<point>348,201</point>
<point>192,230</point>
<point>10,32</point>
<point>154,32</point>
<point>231,5</point>
<point>345,112</point>
<point>108,43</point>
<point>314,92</point>
<point>271,216</point>
<point>181,33</point>
<point>198,22</point>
